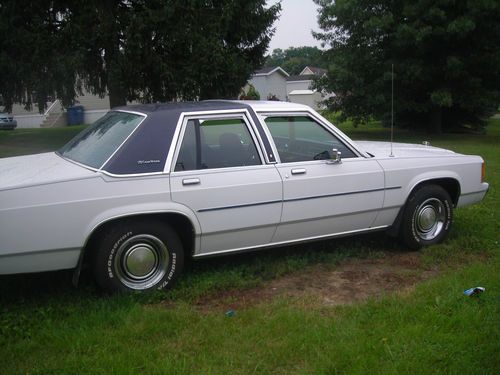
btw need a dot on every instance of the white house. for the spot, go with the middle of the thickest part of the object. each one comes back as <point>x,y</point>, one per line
<point>270,82</point>
<point>299,88</point>
<point>308,70</point>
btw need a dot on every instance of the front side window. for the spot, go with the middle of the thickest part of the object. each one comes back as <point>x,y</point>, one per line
<point>94,145</point>
<point>299,138</point>
<point>216,144</point>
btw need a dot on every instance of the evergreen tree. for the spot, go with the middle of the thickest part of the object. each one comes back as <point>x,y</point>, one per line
<point>294,59</point>
<point>145,50</point>
<point>445,53</point>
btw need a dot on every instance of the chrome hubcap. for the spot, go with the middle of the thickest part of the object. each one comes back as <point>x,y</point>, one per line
<point>141,261</point>
<point>429,219</point>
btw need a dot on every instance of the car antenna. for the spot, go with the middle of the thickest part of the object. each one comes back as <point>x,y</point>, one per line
<point>392,108</point>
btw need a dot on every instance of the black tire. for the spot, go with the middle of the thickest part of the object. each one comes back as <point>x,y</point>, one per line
<point>427,217</point>
<point>138,256</point>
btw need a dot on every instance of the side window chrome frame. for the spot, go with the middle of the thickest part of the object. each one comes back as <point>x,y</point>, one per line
<point>184,118</point>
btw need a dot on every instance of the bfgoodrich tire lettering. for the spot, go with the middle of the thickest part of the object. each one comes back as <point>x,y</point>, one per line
<point>138,256</point>
<point>427,217</point>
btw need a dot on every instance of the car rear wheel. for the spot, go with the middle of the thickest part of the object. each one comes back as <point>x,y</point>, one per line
<point>138,256</point>
<point>427,217</point>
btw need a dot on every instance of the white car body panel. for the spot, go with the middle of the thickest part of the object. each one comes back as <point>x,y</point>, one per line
<point>236,207</point>
<point>22,171</point>
<point>49,206</point>
<point>328,198</point>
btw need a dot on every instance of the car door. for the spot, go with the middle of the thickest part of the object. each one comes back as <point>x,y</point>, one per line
<point>219,172</point>
<point>321,197</point>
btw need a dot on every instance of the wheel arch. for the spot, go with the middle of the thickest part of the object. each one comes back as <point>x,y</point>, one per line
<point>450,184</point>
<point>180,223</point>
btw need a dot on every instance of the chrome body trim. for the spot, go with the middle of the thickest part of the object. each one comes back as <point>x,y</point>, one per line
<point>285,243</point>
<point>297,199</point>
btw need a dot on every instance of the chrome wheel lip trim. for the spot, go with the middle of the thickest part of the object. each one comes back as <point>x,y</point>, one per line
<point>151,278</point>
<point>429,219</point>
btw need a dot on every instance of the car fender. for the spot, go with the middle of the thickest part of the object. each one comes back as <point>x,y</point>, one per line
<point>429,176</point>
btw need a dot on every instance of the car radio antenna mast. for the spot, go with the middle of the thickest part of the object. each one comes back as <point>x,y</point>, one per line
<point>392,107</point>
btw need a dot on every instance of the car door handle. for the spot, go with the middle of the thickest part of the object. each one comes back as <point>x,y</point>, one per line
<point>191,181</point>
<point>299,171</point>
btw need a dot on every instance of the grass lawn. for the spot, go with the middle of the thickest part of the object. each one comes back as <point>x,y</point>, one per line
<point>33,141</point>
<point>48,327</point>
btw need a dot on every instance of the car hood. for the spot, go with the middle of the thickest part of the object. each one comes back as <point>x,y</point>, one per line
<point>23,171</point>
<point>383,149</point>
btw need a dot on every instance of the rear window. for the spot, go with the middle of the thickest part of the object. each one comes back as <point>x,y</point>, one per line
<point>94,145</point>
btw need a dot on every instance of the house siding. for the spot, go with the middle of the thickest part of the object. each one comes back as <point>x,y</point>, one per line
<point>312,100</point>
<point>297,85</point>
<point>272,84</point>
<point>276,85</point>
<point>260,84</point>
<point>94,108</point>
<point>93,102</point>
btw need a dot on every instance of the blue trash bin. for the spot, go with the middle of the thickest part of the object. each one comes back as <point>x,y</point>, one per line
<point>75,115</point>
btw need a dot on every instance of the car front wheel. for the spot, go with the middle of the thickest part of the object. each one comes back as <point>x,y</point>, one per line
<point>138,256</point>
<point>427,217</point>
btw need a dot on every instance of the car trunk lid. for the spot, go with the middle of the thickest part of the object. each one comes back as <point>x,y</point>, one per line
<point>22,171</point>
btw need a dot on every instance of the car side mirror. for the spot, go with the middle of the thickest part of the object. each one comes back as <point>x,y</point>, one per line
<point>336,157</point>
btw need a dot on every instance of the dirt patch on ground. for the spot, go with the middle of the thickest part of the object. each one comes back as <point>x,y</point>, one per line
<point>352,281</point>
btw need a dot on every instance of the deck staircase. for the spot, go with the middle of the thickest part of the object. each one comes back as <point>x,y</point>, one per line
<point>55,116</point>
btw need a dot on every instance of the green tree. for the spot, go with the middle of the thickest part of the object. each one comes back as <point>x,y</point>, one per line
<point>155,50</point>
<point>34,56</point>
<point>445,53</point>
<point>294,59</point>
<point>251,94</point>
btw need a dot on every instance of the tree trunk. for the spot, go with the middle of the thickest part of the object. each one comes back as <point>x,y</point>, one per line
<point>435,123</point>
<point>110,24</point>
<point>116,89</point>
<point>116,94</point>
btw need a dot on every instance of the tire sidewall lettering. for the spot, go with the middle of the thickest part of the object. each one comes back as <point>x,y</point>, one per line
<point>171,272</point>
<point>448,215</point>
<point>112,253</point>
<point>413,230</point>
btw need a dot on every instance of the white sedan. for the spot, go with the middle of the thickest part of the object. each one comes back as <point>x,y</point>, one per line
<point>147,185</point>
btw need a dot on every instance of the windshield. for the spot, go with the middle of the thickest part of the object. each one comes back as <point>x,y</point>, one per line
<point>94,145</point>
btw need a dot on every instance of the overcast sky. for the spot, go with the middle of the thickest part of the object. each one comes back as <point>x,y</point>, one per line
<point>293,29</point>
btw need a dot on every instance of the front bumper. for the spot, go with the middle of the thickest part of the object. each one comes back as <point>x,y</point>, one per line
<point>473,197</point>
<point>8,125</point>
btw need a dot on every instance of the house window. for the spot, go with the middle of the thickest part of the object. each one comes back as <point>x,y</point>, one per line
<point>220,143</point>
